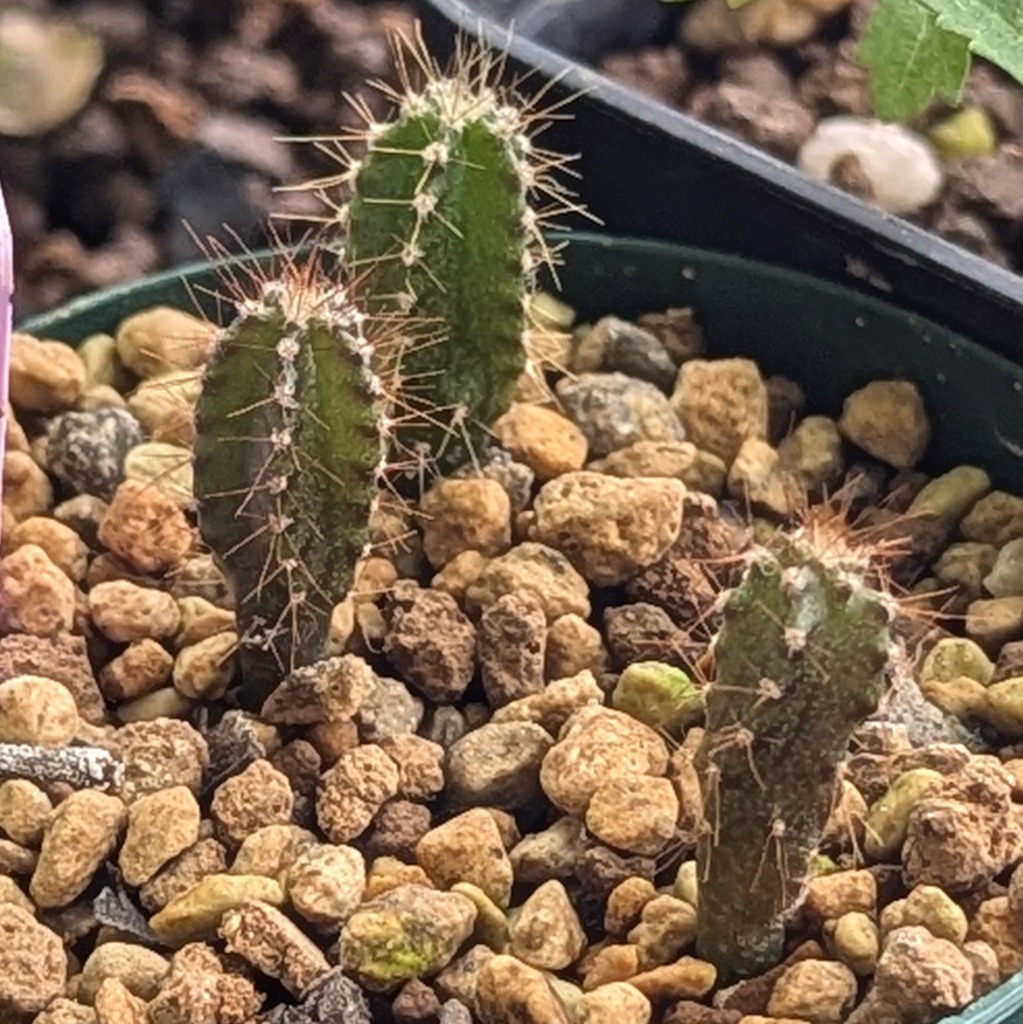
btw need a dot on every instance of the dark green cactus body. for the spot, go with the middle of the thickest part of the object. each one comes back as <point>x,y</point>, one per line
<point>439,227</point>
<point>800,662</point>
<point>287,456</point>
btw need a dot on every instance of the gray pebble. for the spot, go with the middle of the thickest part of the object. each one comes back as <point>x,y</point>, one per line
<point>85,450</point>
<point>614,411</point>
<point>389,710</point>
<point>637,353</point>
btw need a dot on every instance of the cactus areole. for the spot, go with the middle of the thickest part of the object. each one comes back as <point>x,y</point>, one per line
<point>288,452</point>
<point>800,662</point>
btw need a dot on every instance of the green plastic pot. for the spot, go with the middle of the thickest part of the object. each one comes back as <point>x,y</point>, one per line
<point>830,339</point>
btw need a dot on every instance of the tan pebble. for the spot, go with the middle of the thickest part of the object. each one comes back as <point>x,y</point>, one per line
<point>388,873</point>
<point>326,883</point>
<point>468,848</point>
<point>819,991</point>
<point>615,962</point>
<point>666,927</point>
<point>45,376</point>
<point>459,574</point>
<point>163,703</point>
<point>508,989</point>
<point>195,914</point>
<point>207,857</point>
<point>33,964</point>
<point>546,932</point>
<point>158,754</point>
<point>573,645</point>
<point>27,490</point>
<point>686,978</point>
<point>142,667</point>
<point>83,830</point>
<point>830,896</point>
<point>37,710</point>
<point>16,859</point>
<point>935,910</point>
<point>888,817</point>
<point>125,612</point>
<point>35,595</point>
<point>11,892</point>
<point>258,796</point>
<point>996,519</point>
<point>547,442</point>
<point>536,569</point>
<point>887,419</point>
<point>271,850</point>
<point>687,883</point>
<point>166,467</point>
<point>165,406</point>
<point>616,1003</point>
<point>918,974</point>
<point>163,339</point>
<point>986,973</point>
<point>146,528</point>
<point>101,396</point>
<point>201,619</point>
<point>679,460</point>
<point>14,434</point>
<point>856,941</point>
<point>332,689</point>
<point>115,1004</point>
<point>263,936</point>
<point>625,904</point>
<point>160,826</point>
<point>203,670</point>
<point>995,622</point>
<point>24,810</point>
<point>465,515</point>
<point>99,354</point>
<point>62,545</point>
<point>139,969</point>
<point>635,813</point>
<point>350,793</point>
<point>721,403</point>
<point>607,527</point>
<point>812,453</point>
<point>597,743</point>
<point>996,924</point>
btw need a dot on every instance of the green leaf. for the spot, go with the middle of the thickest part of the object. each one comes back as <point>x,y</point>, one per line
<point>912,57</point>
<point>993,27</point>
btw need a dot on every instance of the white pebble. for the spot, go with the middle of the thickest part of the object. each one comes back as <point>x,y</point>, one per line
<point>903,170</point>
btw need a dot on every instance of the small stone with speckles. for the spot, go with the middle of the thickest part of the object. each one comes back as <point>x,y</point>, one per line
<point>85,451</point>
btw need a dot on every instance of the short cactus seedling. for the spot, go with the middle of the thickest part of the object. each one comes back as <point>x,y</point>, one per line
<point>799,662</point>
<point>291,433</point>
<point>441,223</point>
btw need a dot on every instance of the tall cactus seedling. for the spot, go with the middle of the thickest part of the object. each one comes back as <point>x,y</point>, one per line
<point>441,224</point>
<point>800,662</point>
<point>290,443</point>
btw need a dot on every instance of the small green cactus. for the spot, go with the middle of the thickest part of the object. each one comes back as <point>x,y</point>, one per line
<point>800,661</point>
<point>440,227</point>
<point>290,442</point>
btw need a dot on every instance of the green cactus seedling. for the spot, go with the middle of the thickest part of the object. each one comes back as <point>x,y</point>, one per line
<point>441,225</point>
<point>291,432</point>
<point>800,661</point>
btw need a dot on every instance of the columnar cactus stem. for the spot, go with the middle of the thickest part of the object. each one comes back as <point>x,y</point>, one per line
<point>440,226</point>
<point>800,662</point>
<point>290,441</point>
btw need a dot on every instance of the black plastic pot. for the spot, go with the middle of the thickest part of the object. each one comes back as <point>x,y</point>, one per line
<point>649,171</point>
<point>829,338</point>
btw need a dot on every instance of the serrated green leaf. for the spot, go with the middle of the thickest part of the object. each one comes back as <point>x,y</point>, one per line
<point>912,58</point>
<point>994,29</point>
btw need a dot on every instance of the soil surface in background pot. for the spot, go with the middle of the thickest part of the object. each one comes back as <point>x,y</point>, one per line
<point>790,84</point>
<point>484,805</point>
<point>184,126</point>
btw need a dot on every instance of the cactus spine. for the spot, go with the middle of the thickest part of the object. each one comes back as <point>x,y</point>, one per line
<point>800,662</point>
<point>290,441</point>
<point>440,226</point>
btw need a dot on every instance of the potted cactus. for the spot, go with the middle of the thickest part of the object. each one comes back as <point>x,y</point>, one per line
<point>426,676</point>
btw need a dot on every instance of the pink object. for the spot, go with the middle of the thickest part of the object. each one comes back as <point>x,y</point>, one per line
<point>6,320</point>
